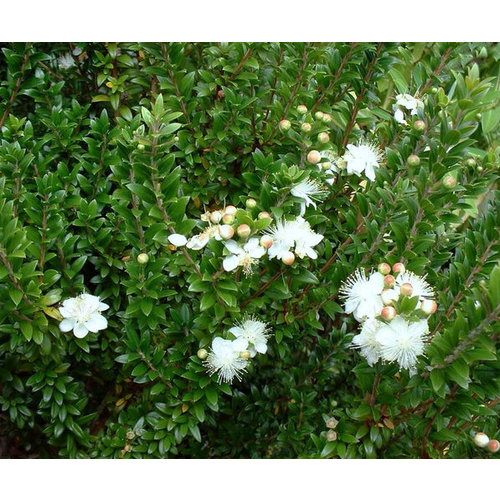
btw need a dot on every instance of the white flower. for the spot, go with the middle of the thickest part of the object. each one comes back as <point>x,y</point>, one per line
<point>366,341</point>
<point>402,341</point>
<point>421,288</point>
<point>200,240</point>
<point>308,191</point>
<point>225,358</point>
<point>66,61</point>
<point>298,233</point>
<point>82,315</point>
<point>243,256</point>
<point>408,102</point>
<point>178,240</point>
<point>362,158</point>
<point>254,332</point>
<point>362,294</point>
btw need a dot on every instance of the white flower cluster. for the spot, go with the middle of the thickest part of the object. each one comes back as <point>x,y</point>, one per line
<point>360,158</point>
<point>393,327</point>
<point>82,314</point>
<point>229,358</point>
<point>277,241</point>
<point>406,102</point>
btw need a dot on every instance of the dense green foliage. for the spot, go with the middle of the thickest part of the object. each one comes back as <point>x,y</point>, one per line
<point>101,160</point>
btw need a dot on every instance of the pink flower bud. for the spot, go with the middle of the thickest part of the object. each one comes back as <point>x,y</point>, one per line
<point>319,115</point>
<point>266,241</point>
<point>302,109</point>
<point>305,127</point>
<point>429,306</point>
<point>288,258</point>
<point>243,231</point>
<point>493,445</point>
<point>406,289</point>
<point>398,267</point>
<point>481,440</point>
<point>419,126</point>
<point>251,203</point>
<point>230,210</point>
<point>226,232</point>
<point>326,118</point>
<point>314,156</point>
<point>384,268</point>
<point>388,313</point>
<point>389,281</point>
<point>413,161</point>
<point>449,181</point>
<point>323,137</point>
<point>284,125</point>
<point>264,215</point>
<point>228,218</point>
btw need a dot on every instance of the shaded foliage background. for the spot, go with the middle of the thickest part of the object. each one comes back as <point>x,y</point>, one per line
<point>95,168</point>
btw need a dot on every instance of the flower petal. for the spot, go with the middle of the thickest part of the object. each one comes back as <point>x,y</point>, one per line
<point>178,240</point>
<point>80,330</point>
<point>66,325</point>
<point>96,322</point>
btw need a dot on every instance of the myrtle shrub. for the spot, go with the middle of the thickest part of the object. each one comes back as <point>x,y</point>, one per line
<point>113,156</point>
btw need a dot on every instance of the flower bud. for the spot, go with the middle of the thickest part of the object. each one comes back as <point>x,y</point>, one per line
<point>481,439</point>
<point>387,296</point>
<point>331,436</point>
<point>326,165</point>
<point>326,118</point>
<point>419,126</point>
<point>251,203</point>
<point>266,241</point>
<point>202,353</point>
<point>143,258</point>
<point>302,109</point>
<point>406,289</point>
<point>319,115</point>
<point>215,217</point>
<point>243,231</point>
<point>228,218</point>
<point>341,163</point>
<point>313,156</point>
<point>245,354</point>
<point>388,313</point>
<point>305,127</point>
<point>140,147</point>
<point>413,161</point>
<point>493,445</point>
<point>389,281</point>
<point>429,306</point>
<point>284,125</point>
<point>264,215</point>
<point>332,422</point>
<point>384,268</point>
<point>323,137</point>
<point>230,210</point>
<point>226,232</point>
<point>398,267</point>
<point>288,258</point>
<point>470,162</point>
<point>449,181</point>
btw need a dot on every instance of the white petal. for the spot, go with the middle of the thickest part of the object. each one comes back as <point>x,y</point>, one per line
<point>230,263</point>
<point>261,347</point>
<point>178,240</point>
<point>103,306</point>
<point>240,344</point>
<point>66,325</point>
<point>96,323</point>
<point>80,331</point>
<point>236,331</point>
<point>233,247</point>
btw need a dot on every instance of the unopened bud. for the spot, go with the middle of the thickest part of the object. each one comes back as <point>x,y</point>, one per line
<point>302,109</point>
<point>388,313</point>
<point>326,118</point>
<point>399,267</point>
<point>331,436</point>
<point>493,445</point>
<point>449,181</point>
<point>323,137</point>
<point>140,147</point>
<point>143,258</point>
<point>226,232</point>
<point>389,281</point>
<point>481,440</point>
<point>176,138</point>
<point>319,115</point>
<point>332,422</point>
<point>305,127</point>
<point>413,161</point>
<point>326,165</point>
<point>125,258</point>
<point>251,203</point>
<point>215,217</point>
<point>202,353</point>
<point>230,210</point>
<point>429,306</point>
<point>228,218</point>
<point>288,258</point>
<point>406,289</point>
<point>130,435</point>
<point>245,354</point>
<point>384,268</point>
<point>470,162</point>
<point>243,231</point>
<point>284,125</point>
<point>419,126</point>
<point>314,156</point>
<point>264,215</point>
<point>266,241</point>
<point>341,163</point>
